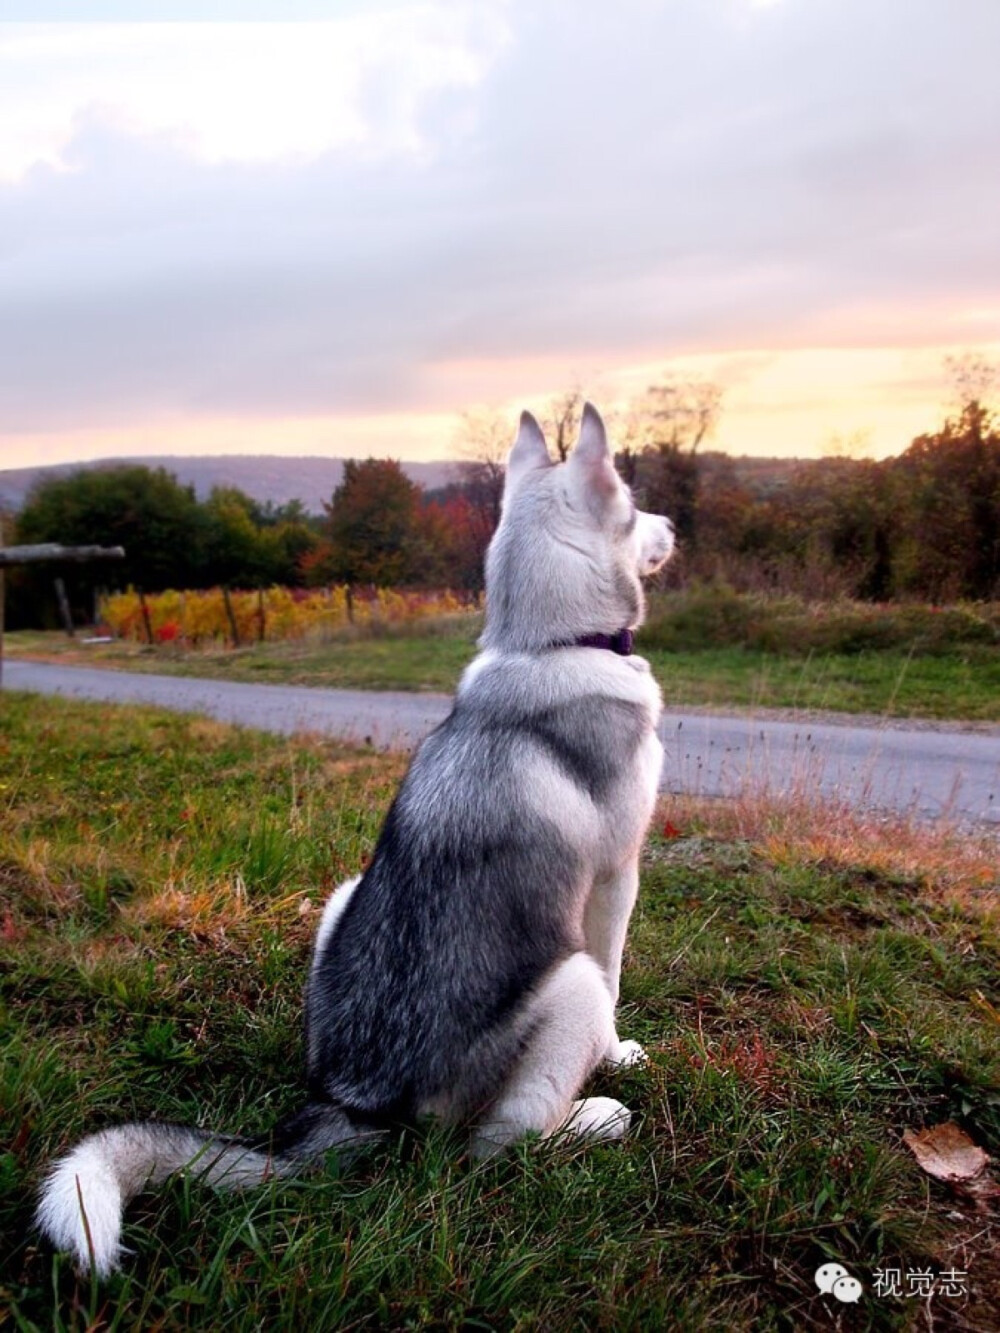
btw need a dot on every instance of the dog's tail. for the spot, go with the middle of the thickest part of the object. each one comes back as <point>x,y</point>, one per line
<point>84,1194</point>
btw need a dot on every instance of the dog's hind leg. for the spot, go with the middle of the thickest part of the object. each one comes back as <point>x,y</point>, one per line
<point>572,1026</point>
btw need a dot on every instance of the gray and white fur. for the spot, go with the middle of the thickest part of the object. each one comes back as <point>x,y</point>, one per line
<point>471,973</point>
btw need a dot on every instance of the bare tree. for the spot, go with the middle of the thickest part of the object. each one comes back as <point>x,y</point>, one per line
<point>857,444</point>
<point>658,445</point>
<point>561,420</point>
<point>974,380</point>
<point>631,435</point>
<point>483,441</point>
<point>678,415</point>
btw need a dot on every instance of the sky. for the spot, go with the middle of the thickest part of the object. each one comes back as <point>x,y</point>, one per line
<point>334,228</point>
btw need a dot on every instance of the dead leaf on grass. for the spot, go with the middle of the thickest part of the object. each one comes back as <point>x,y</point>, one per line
<point>948,1154</point>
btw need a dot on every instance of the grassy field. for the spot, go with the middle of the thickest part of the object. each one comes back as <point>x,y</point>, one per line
<point>415,661</point>
<point>960,683</point>
<point>808,987</point>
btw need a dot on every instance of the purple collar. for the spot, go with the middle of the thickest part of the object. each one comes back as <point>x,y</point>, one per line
<point>621,643</point>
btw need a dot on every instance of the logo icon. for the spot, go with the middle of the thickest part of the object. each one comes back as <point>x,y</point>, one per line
<point>835,1280</point>
<point>847,1289</point>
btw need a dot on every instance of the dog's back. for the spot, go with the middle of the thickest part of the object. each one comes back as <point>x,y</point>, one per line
<point>475,891</point>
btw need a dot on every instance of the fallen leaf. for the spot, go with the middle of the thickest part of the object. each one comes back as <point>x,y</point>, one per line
<point>946,1153</point>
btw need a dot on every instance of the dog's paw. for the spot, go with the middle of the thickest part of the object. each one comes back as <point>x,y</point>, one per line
<point>626,1055</point>
<point>598,1118</point>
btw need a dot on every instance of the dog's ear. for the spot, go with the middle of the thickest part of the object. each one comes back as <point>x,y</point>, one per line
<point>528,451</point>
<point>591,460</point>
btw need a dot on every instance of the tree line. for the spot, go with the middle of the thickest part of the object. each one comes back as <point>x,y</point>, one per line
<point>378,528</point>
<point>924,524</point>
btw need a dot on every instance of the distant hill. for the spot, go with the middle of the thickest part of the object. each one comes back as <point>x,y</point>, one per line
<point>312,480</point>
<point>261,476</point>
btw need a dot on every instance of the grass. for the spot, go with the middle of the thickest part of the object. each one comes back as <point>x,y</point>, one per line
<point>808,986</point>
<point>713,646</point>
<point>884,683</point>
<point>415,661</point>
<point>708,647</point>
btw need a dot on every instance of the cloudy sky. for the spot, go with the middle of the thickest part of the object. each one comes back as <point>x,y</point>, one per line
<point>335,234</point>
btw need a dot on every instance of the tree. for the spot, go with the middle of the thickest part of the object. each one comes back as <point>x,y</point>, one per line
<point>681,414</point>
<point>973,380</point>
<point>373,525</point>
<point>725,507</point>
<point>560,422</point>
<point>844,507</point>
<point>288,545</point>
<point>456,539</point>
<point>147,512</point>
<point>662,433</point>
<point>484,439</point>
<point>950,511</point>
<point>483,442</point>
<point>233,551</point>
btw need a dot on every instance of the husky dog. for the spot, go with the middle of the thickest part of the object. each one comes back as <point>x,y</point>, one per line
<point>471,973</point>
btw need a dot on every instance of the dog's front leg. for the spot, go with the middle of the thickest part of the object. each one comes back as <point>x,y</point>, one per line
<point>605,925</point>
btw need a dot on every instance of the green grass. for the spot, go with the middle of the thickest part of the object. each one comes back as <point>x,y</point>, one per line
<point>960,684</point>
<point>712,646</point>
<point>888,683</point>
<point>709,647</point>
<point>807,988</point>
<point>404,661</point>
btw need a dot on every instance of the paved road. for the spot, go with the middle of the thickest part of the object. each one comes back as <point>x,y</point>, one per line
<point>927,770</point>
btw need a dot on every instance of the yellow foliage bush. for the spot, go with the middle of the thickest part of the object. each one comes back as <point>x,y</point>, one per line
<point>199,617</point>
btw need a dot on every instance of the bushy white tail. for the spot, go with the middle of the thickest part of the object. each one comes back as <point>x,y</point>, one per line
<point>85,1193</point>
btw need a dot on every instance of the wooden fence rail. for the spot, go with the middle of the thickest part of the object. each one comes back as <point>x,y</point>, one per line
<point>33,555</point>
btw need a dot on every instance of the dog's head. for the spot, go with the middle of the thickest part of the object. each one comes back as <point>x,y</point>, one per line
<point>571,548</point>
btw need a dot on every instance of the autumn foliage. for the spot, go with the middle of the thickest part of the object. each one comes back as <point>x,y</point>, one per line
<point>923,526</point>
<point>381,530</point>
<point>199,617</point>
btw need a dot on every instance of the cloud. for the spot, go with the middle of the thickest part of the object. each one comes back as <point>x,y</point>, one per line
<point>496,184</point>
<point>249,92</point>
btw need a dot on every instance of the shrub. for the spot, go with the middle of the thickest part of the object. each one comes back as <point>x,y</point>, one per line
<point>715,616</point>
<point>274,614</point>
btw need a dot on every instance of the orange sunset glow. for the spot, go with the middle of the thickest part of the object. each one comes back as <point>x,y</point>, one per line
<point>444,207</point>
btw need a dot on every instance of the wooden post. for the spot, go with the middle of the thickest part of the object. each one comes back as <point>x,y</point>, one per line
<point>232,618</point>
<point>64,611</point>
<point>32,555</point>
<point>143,607</point>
